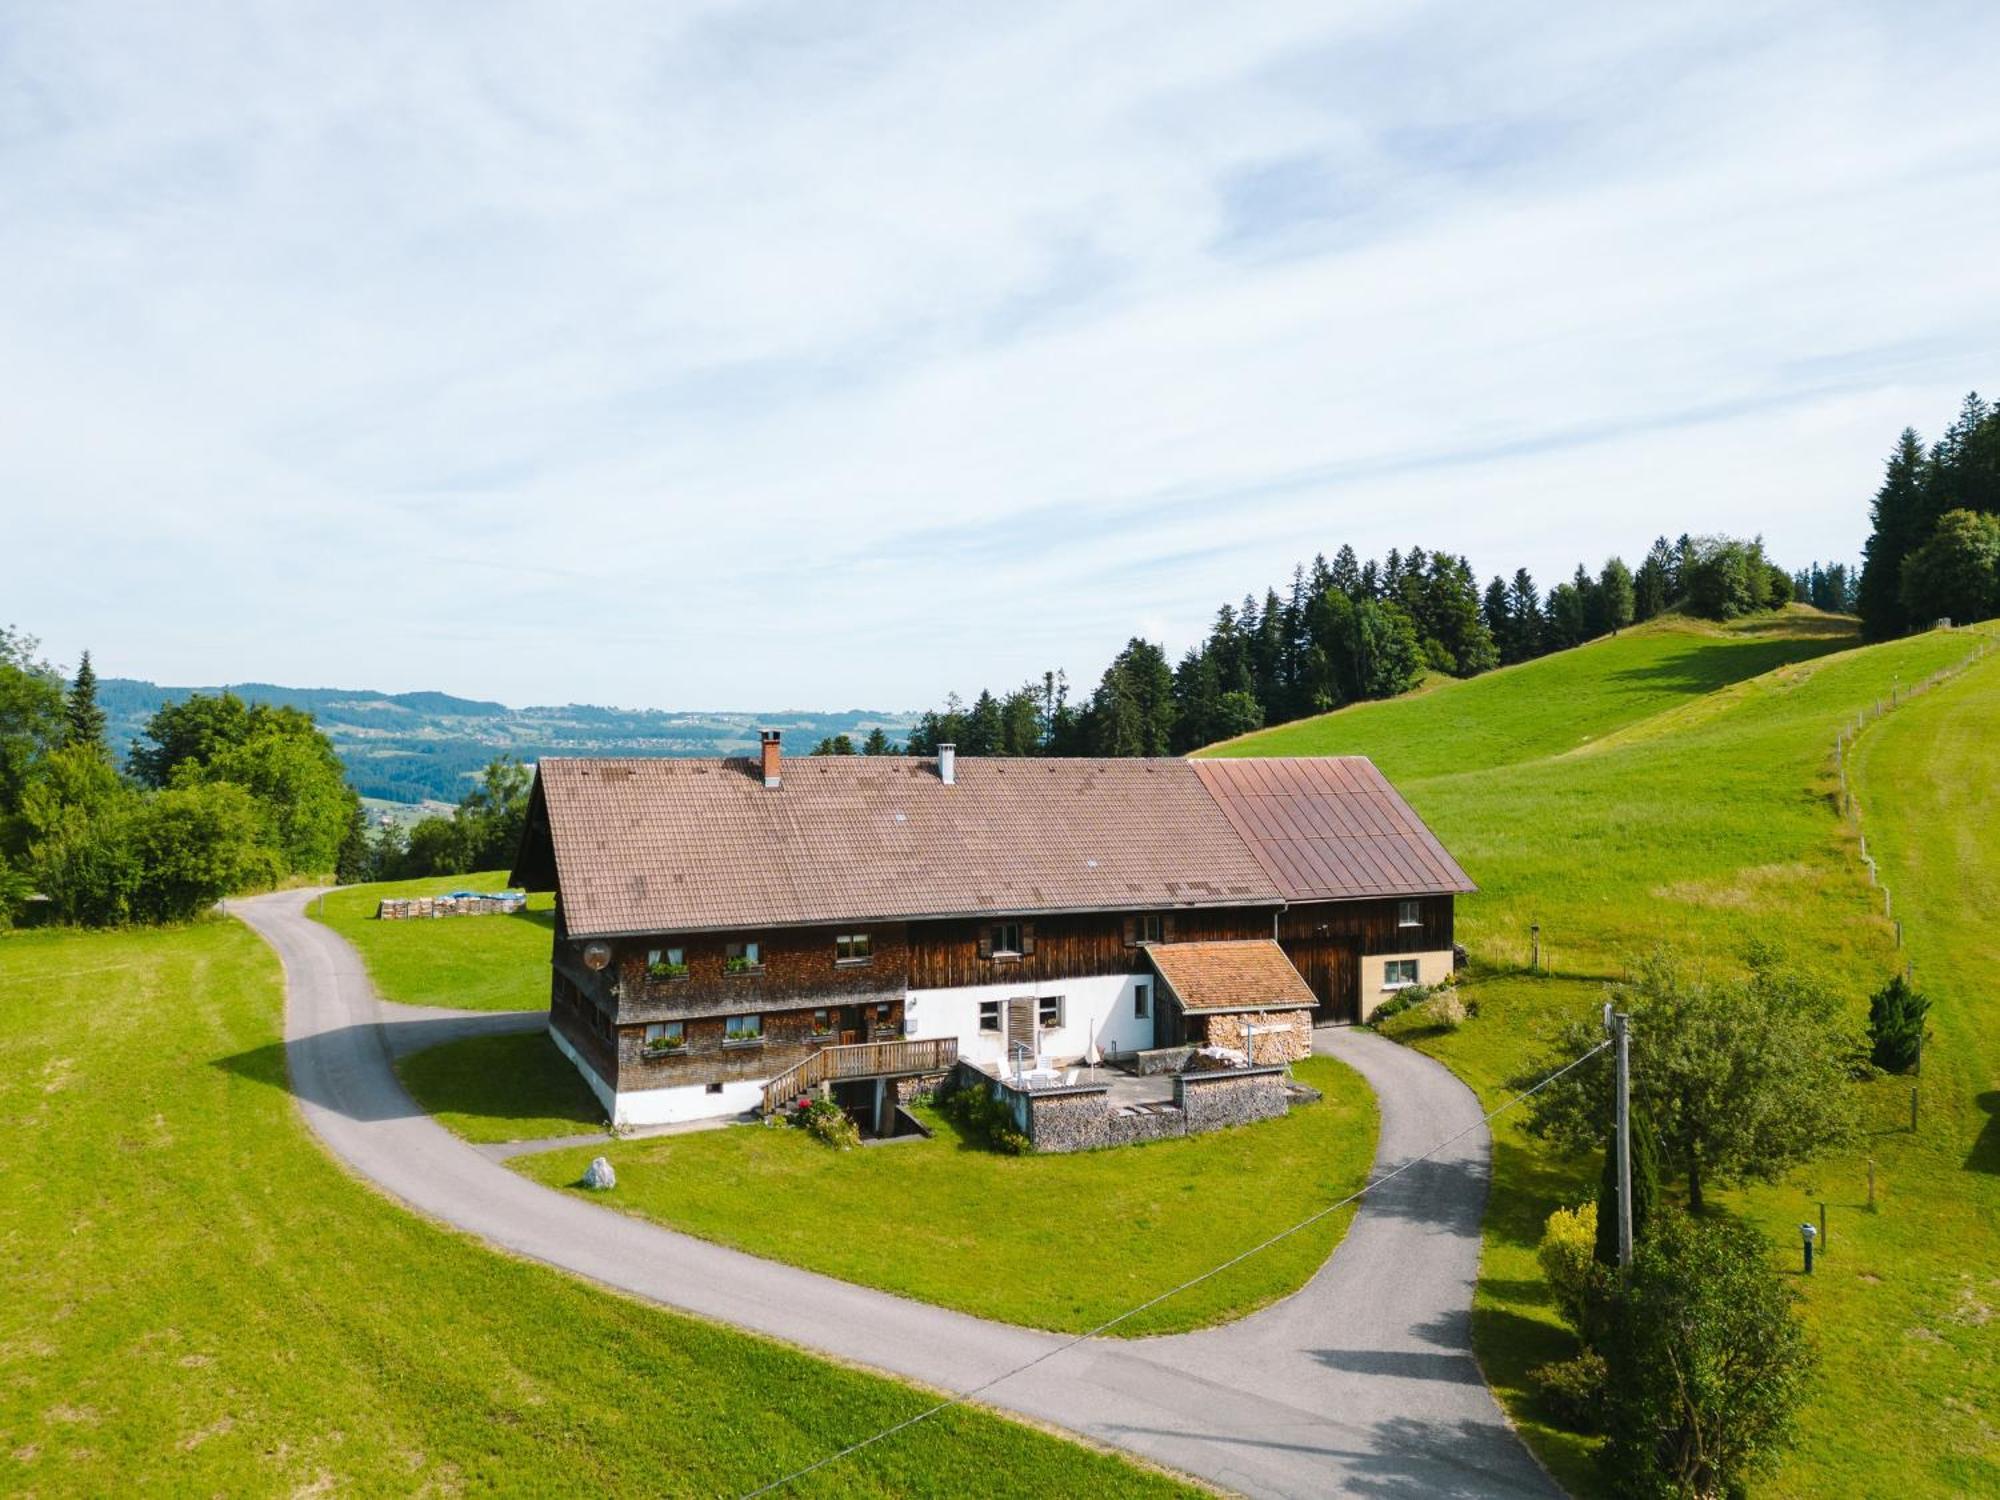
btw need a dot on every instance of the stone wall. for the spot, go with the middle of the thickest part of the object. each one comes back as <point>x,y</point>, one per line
<point>1213,1100</point>
<point>1157,1060</point>
<point>1128,1127</point>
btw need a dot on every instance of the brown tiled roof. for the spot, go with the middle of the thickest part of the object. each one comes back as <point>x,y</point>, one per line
<point>1240,974</point>
<point>1329,828</point>
<point>663,845</point>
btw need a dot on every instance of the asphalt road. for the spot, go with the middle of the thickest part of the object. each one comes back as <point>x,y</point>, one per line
<point>1361,1383</point>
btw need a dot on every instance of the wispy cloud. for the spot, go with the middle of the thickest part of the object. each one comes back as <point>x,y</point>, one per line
<point>802,353</point>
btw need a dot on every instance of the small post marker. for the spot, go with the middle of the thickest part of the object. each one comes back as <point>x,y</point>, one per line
<point>1824,1241</point>
<point>1535,947</point>
<point>1913,1111</point>
<point>1807,1234</point>
<point>1871,1184</point>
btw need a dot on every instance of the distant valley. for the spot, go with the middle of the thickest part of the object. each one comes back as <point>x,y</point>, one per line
<point>418,747</point>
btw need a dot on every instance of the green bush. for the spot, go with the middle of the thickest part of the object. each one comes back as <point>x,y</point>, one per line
<point>1707,1362</point>
<point>1579,1282</point>
<point>986,1117</point>
<point>1896,1026</point>
<point>827,1123</point>
<point>1573,1390</point>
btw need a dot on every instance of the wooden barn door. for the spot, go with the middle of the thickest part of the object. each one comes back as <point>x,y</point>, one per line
<point>1331,968</point>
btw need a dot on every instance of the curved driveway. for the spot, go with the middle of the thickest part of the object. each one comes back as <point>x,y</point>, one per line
<point>1361,1383</point>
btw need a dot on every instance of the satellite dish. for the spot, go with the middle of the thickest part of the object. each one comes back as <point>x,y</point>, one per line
<point>596,955</point>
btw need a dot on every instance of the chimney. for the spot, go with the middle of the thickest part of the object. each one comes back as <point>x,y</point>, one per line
<point>774,759</point>
<point>948,764</point>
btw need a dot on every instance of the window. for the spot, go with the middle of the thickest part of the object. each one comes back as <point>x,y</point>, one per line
<point>1049,1011</point>
<point>1409,914</point>
<point>852,948</point>
<point>667,963</point>
<point>1399,973</point>
<point>1142,999</point>
<point>666,1036</point>
<point>1006,938</point>
<point>822,1023</point>
<point>1152,929</point>
<point>883,1013</point>
<point>743,1029</point>
<point>742,958</point>
<point>715,1088</point>
<point>989,1015</point>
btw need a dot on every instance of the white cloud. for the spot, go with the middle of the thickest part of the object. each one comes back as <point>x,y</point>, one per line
<point>802,355</point>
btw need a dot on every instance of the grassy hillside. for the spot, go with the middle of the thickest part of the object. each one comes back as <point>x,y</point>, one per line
<point>1708,823</point>
<point>1555,703</point>
<point>465,963</point>
<point>199,1302</point>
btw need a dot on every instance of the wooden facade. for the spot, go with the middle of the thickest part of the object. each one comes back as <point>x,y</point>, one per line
<point>1325,941</point>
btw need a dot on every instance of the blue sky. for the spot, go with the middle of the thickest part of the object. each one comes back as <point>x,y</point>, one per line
<point>816,355</point>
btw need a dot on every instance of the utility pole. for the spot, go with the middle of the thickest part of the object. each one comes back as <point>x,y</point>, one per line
<point>1619,1025</point>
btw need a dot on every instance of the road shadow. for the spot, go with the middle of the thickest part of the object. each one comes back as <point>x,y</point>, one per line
<point>1399,1458</point>
<point>341,1070</point>
<point>1446,1195</point>
<point>1409,1364</point>
<point>1985,1156</point>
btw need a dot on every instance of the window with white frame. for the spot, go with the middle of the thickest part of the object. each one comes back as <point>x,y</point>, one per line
<point>742,958</point>
<point>666,963</point>
<point>852,948</point>
<point>1152,928</point>
<point>1399,973</point>
<point>1409,914</point>
<point>1142,999</point>
<point>1006,939</point>
<point>1049,1011</point>
<point>989,1015</point>
<point>822,1023</point>
<point>666,1036</point>
<point>740,1030</point>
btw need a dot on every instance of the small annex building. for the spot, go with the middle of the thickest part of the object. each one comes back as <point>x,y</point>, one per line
<point>727,929</point>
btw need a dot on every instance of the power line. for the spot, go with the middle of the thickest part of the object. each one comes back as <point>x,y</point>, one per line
<point>1132,1312</point>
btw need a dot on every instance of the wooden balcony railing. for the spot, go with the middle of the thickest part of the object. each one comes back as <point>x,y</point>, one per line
<point>861,1060</point>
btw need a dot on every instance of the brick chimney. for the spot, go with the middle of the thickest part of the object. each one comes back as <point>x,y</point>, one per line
<point>774,759</point>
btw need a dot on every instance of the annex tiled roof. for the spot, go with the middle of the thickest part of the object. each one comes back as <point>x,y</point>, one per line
<point>664,845</point>
<point>1329,828</point>
<point>1239,974</point>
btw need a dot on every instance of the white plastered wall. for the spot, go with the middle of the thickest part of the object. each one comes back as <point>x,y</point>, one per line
<point>1099,1008</point>
<point>663,1106</point>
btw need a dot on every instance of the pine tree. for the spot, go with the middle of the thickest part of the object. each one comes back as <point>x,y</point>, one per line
<point>1900,521</point>
<point>1524,610</point>
<point>877,743</point>
<point>83,719</point>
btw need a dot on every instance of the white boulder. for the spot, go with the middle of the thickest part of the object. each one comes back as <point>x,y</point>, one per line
<point>600,1178</point>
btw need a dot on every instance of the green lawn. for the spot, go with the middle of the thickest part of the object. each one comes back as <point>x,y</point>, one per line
<point>1709,824</point>
<point>950,1222</point>
<point>502,1088</point>
<point>464,963</point>
<point>200,1302</point>
<point>1555,703</point>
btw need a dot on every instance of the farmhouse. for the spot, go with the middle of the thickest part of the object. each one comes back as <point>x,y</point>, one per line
<point>730,932</point>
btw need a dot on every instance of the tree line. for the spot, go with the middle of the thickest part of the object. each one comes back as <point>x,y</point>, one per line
<point>218,797</point>
<point>1934,552</point>
<point>1348,630</point>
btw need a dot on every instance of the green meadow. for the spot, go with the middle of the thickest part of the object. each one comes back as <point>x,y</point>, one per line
<point>200,1302</point>
<point>462,963</point>
<point>516,1087</point>
<point>1704,817</point>
<point>969,1228</point>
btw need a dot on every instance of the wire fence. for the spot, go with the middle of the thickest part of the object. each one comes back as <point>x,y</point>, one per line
<point>963,1397</point>
<point>1844,799</point>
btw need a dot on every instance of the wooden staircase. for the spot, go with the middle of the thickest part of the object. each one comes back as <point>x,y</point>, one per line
<point>896,1059</point>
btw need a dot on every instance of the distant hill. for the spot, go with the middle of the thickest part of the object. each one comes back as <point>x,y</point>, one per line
<point>410,747</point>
